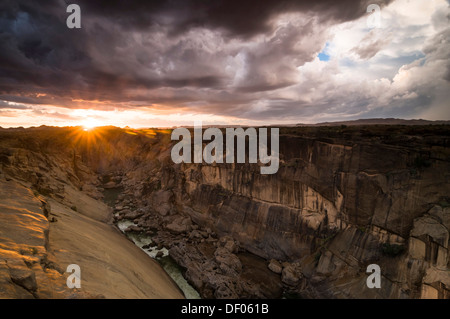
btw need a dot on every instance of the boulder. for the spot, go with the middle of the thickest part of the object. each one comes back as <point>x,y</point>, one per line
<point>163,209</point>
<point>229,244</point>
<point>275,266</point>
<point>431,226</point>
<point>109,185</point>
<point>225,291</point>
<point>229,263</point>
<point>133,228</point>
<point>24,278</point>
<point>291,275</point>
<point>161,201</point>
<point>132,215</point>
<point>179,225</point>
<point>195,234</point>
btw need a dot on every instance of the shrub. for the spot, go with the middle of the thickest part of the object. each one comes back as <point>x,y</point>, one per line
<point>444,204</point>
<point>361,228</point>
<point>392,250</point>
<point>317,256</point>
<point>421,162</point>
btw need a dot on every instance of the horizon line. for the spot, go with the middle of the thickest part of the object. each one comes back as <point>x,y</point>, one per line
<point>357,122</point>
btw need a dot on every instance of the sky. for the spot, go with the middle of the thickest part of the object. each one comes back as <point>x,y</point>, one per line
<point>246,62</point>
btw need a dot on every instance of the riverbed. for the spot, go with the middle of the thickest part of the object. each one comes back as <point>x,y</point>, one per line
<point>164,259</point>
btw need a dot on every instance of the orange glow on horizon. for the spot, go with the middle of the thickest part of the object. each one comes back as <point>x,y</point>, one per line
<point>51,115</point>
<point>88,137</point>
<point>90,123</point>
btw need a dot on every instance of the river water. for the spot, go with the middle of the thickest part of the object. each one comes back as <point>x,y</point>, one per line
<point>166,262</point>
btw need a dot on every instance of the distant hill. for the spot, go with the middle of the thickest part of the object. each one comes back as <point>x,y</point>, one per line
<point>379,121</point>
<point>375,121</point>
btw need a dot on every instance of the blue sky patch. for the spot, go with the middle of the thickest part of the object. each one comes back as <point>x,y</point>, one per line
<point>323,56</point>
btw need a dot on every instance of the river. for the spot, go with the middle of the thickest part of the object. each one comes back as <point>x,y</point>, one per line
<point>166,262</point>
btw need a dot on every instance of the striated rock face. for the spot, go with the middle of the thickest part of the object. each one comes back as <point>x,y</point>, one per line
<point>330,187</point>
<point>48,221</point>
<point>23,255</point>
<point>343,198</point>
<point>335,206</point>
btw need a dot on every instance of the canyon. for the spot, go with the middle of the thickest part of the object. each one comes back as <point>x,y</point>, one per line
<point>344,197</point>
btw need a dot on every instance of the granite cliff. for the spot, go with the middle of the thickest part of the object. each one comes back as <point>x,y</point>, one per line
<point>49,221</point>
<point>343,198</point>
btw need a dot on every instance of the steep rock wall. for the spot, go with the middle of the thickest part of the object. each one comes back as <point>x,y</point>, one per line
<point>347,205</point>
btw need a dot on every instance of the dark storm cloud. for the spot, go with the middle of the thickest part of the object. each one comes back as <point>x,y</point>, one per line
<point>242,18</point>
<point>219,57</point>
<point>7,105</point>
<point>39,54</point>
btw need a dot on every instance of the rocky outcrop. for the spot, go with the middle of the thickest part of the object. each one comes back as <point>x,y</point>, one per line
<point>179,225</point>
<point>220,273</point>
<point>343,198</point>
<point>50,217</point>
<point>291,274</point>
<point>26,270</point>
<point>335,206</point>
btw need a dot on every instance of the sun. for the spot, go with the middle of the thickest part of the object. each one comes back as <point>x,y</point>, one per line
<point>89,132</point>
<point>90,124</point>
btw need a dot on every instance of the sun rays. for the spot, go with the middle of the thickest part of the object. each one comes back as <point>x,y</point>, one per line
<point>88,135</point>
<point>90,124</point>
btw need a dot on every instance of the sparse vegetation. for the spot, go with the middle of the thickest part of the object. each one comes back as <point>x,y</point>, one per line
<point>413,172</point>
<point>361,228</point>
<point>392,250</point>
<point>444,204</point>
<point>317,256</point>
<point>420,162</point>
<point>322,242</point>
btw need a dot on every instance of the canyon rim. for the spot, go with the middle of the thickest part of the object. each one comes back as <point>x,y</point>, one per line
<point>344,197</point>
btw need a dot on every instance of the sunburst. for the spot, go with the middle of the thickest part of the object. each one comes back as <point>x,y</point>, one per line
<point>90,124</point>
<point>88,136</point>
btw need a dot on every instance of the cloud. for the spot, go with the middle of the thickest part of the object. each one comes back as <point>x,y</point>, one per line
<point>371,44</point>
<point>248,59</point>
<point>244,18</point>
<point>12,105</point>
<point>378,73</point>
<point>42,112</point>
